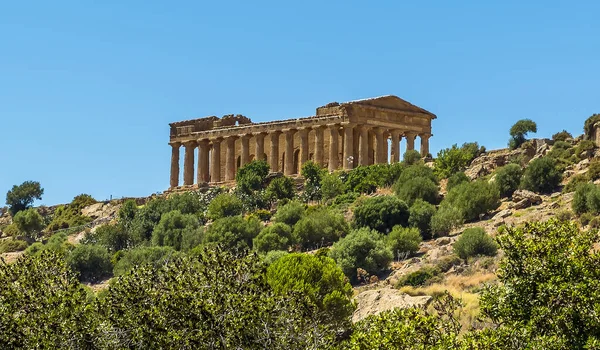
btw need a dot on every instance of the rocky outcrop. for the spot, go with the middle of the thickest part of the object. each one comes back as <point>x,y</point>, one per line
<point>524,199</point>
<point>373,302</point>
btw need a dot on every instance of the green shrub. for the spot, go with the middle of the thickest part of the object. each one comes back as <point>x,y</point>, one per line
<point>29,223</point>
<point>281,188</point>
<point>418,278</point>
<point>595,223</point>
<point>417,188</point>
<point>473,199</point>
<point>574,182</point>
<point>564,215</point>
<point>346,198</point>
<point>140,256</point>
<point>275,237</point>
<point>585,218</point>
<point>290,213</point>
<point>233,232</point>
<point>381,213</point>
<point>445,220</point>
<point>273,256</point>
<point>316,278</point>
<point>91,262</point>
<point>112,237</point>
<point>562,136</point>
<point>541,175</point>
<point>174,227</point>
<point>474,241</point>
<point>313,174</point>
<point>331,186</point>
<point>586,199</point>
<point>403,241</point>
<point>320,227</point>
<point>508,178</point>
<point>584,147</point>
<point>593,172</point>
<point>251,177</point>
<point>70,215</point>
<point>364,179</point>
<point>519,130</point>
<point>444,264</point>
<point>262,214</point>
<point>420,216</point>
<point>456,179</point>
<point>452,160</point>
<point>411,157</point>
<point>362,248</point>
<point>224,205</point>
<point>12,245</point>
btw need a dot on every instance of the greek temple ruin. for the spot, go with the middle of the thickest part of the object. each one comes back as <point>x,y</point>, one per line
<point>340,136</point>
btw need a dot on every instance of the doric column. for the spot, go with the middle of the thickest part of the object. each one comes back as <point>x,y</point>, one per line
<point>363,146</point>
<point>230,159</point>
<point>348,146</point>
<point>410,140</point>
<point>395,146</point>
<point>259,139</point>
<point>245,156</point>
<point>378,159</point>
<point>188,163</point>
<point>333,146</point>
<point>203,175</point>
<point>274,155</point>
<point>215,162</point>
<point>175,164</point>
<point>424,144</point>
<point>289,152</point>
<point>386,136</point>
<point>319,145</point>
<point>303,133</point>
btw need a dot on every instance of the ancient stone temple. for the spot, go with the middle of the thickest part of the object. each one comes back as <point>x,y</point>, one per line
<point>339,136</point>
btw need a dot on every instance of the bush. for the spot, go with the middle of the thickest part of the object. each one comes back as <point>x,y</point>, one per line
<point>12,245</point>
<point>586,199</point>
<point>69,216</point>
<point>21,197</point>
<point>456,180</point>
<point>140,256</point>
<point>585,218</point>
<point>562,136</point>
<point>541,176</point>
<point>320,227</point>
<point>346,198</point>
<point>281,188</point>
<point>362,248</point>
<point>519,130</point>
<point>262,214</point>
<point>331,186</point>
<point>29,223</point>
<point>224,205</point>
<point>564,215</point>
<point>595,223</point>
<point>574,182</point>
<point>233,232</point>
<point>312,173</point>
<point>452,160</point>
<point>381,213</point>
<point>316,278</point>
<point>508,178</point>
<point>91,262</point>
<point>174,227</point>
<point>403,241</point>
<point>445,220</point>
<point>473,199</point>
<point>474,241</point>
<point>445,263</point>
<point>593,172</point>
<point>420,216</point>
<point>251,177</point>
<point>584,147</point>
<point>275,237</point>
<point>57,243</point>
<point>112,237</point>
<point>411,157</point>
<point>290,213</point>
<point>417,188</point>
<point>418,278</point>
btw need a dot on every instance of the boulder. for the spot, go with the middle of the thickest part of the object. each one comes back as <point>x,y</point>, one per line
<point>373,302</point>
<point>503,214</point>
<point>529,197</point>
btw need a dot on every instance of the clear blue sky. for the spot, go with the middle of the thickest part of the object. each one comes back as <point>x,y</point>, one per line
<point>87,88</point>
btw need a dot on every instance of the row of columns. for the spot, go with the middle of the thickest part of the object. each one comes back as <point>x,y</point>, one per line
<point>209,170</point>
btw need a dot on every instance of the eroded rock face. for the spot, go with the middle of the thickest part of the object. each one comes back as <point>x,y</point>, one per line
<point>373,302</point>
<point>525,198</point>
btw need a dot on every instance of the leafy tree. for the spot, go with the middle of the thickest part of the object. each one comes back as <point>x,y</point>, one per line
<point>411,157</point>
<point>112,237</point>
<point>473,199</point>
<point>519,130</point>
<point>251,177</point>
<point>541,175</point>
<point>127,213</point>
<point>273,256</point>
<point>456,179</point>
<point>281,188</point>
<point>233,232</point>
<point>417,188</point>
<point>275,237</point>
<point>381,213</point>
<point>586,199</point>
<point>174,228</point>
<point>454,159</point>
<point>224,205</point>
<point>30,223</point>
<point>445,219</point>
<point>318,279</point>
<point>508,178</point>
<point>290,213</point>
<point>562,136</point>
<point>362,248</point>
<point>320,227</point>
<point>550,283</point>
<point>57,243</point>
<point>331,186</point>
<point>474,241</point>
<point>140,256</point>
<point>91,262</point>
<point>420,216</point>
<point>417,170</point>
<point>22,196</point>
<point>403,240</point>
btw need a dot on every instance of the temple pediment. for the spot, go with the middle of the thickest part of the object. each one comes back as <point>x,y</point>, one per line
<point>390,102</point>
